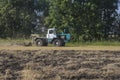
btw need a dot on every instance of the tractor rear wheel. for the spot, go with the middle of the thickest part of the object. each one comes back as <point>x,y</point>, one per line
<point>41,42</point>
<point>58,42</point>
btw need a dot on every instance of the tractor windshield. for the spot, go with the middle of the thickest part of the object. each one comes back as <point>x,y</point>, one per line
<point>52,32</point>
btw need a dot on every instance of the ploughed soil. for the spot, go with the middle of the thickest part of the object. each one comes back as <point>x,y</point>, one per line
<point>59,65</point>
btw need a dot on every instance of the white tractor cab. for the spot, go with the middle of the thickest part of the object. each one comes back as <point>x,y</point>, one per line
<point>53,38</point>
<point>51,33</point>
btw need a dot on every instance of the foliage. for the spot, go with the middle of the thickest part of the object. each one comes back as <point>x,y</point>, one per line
<point>87,20</point>
<point>16,18</point>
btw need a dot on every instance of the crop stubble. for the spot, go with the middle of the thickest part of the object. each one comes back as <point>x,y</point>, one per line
<point>59,65</point>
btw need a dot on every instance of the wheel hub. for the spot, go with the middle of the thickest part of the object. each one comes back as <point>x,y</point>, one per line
<point>57,43</point>
<point>39,43</point>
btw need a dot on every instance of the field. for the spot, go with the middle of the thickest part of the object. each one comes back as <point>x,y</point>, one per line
<point>83,62</point>
<point>55,64</point>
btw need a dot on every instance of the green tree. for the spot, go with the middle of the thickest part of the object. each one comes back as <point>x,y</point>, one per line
<point>16,17</point>
<point>86,19</point>
<point>41,10</point>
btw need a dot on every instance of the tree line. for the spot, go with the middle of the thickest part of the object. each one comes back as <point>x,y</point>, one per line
<point>86,20</point>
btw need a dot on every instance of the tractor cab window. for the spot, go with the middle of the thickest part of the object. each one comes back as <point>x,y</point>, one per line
<point>51,32</point>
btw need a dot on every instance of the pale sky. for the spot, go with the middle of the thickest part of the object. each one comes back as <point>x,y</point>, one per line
<point>119,6</point>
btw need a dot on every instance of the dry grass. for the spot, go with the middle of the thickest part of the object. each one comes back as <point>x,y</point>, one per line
<point>29,73</point>
<point>110,48</point>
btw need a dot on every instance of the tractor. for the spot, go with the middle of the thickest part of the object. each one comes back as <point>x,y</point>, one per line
<point>52,37</point>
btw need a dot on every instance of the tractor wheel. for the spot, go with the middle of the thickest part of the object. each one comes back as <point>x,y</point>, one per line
<point>39,42</point>
<point>63,44</point>
<point>58,42</point>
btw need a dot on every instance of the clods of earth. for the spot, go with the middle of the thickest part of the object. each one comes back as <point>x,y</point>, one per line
<point>59,65</point>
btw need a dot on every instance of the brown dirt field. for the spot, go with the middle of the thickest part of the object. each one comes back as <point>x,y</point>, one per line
<point>48,64</point>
